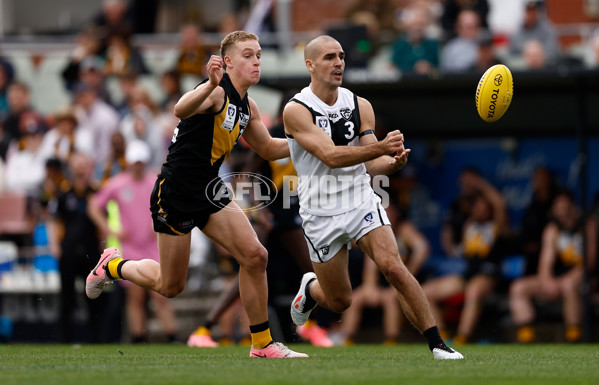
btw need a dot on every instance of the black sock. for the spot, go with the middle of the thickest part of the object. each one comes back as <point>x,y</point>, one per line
<point>208,324</point>
<point>433,337</point>
<point>259,328</point>
<point>138,339</point>
<point>310,302</point>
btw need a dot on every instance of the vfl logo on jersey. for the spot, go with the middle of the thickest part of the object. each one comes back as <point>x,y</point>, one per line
<point>324,250</point>
<point>345,113</point>
<point>369,218</point>
<point>229,122</point>
<point>322,122</point>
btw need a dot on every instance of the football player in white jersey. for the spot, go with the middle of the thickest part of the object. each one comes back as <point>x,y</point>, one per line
<point>329,143</point>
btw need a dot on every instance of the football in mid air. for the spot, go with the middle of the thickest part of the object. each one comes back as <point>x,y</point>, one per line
<point>494,93</point>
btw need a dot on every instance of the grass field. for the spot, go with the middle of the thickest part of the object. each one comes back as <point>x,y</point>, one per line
<point>358,364</point>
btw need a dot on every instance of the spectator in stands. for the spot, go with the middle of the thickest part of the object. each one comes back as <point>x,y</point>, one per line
<point>92,72</point>
<point>22,118</point>
<point>8,68</point>
<point>5,140</point>
<point>375,291</point>
<point>4,83</point>
<point>560,270</point>
<point>115,14</point>
<point>591,58</point>
<point>141,123</point>
<point>127,84</point>
<point>534,55</point>
<point>24,164</point>
<point>171,85</point>
<point>88,46</point>
<point>461,53</point>
<point>383,11</point>
<point>193,54</point>
<point>536,216</point>
<point>486,53</point>
<point>122,57</point>
<point>116,161</point>
<point>51,185</point>
<point>536,26</point>
<point>65,139</point>
<point>415,52</point>
<point>453,226</point>
<point>96,117</point>
<point>73,238</point>
<point>228,23</point>
<point>130,190</point>
<point>167,122</point>
<point>452,10</point>
<point>485,224</point>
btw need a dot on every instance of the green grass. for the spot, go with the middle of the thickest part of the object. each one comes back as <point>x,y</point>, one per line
<point>358,364</point>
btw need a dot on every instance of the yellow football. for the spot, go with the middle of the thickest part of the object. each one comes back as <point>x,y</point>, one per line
<point>494,93</point>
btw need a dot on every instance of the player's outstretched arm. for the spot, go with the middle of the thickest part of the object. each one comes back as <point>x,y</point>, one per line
<point>384,164</point>
<point>258,137</point>
<point>207,96</point>
<point>299,124</point>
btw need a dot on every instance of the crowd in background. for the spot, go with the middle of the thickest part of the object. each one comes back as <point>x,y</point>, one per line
<point>61,160</point>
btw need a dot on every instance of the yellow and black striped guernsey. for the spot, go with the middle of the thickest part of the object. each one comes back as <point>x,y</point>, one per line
<point>202,142</point>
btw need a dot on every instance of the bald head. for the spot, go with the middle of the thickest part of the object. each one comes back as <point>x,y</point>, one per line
<point>314,46</point>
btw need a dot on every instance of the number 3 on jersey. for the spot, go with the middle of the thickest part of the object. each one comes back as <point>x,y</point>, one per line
<point>350,128</point>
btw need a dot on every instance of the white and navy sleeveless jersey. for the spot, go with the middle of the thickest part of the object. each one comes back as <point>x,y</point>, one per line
<point>323,190</point>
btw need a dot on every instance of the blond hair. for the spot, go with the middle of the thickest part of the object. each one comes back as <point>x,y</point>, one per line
<point>233,38</point>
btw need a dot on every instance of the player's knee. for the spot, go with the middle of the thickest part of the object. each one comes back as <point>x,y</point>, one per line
<point>173,290</point>
<point>340,303</point>
<point>256,258</point>
<point>395,272</point>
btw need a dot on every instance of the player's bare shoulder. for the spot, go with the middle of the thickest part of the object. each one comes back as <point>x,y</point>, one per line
<point>366,113</point>
<point>295,116</point>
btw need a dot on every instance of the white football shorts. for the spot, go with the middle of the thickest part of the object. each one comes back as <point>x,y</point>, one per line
<point>326,235</point>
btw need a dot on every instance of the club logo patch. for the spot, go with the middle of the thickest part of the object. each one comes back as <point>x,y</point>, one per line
<point>324,250</point>
<point>369,218</point>
<point>345,113</point>
<point>244,119</point>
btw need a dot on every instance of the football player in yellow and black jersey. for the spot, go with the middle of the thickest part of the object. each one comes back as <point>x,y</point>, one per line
<point>189,193</point>
<point>560,271</point>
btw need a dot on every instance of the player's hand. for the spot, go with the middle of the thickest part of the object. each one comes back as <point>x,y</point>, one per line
<point>393,142</point>
<point>401,158</point>
<point>214,69</point>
